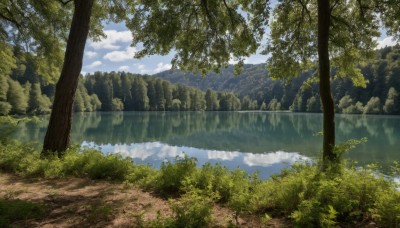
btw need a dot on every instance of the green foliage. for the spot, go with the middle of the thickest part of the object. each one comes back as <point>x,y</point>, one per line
<point>205,34</point>
<point>373,106</point>
<point>38,103</point>
<point>274,105</point>
<point>263,106</point>
<point>192,210</point>
<point>3,88</point>
<point>5,108</point>
<point>392,102</point>
<point>117,105</point>
<point>170,180</point>
<point>17,98</point>
<point>314,104</point>
<point>387,208</point>
<point>339,196</point>
<point>18,210</point>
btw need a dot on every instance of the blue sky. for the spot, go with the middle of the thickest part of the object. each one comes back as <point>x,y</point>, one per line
<point>114,53</point>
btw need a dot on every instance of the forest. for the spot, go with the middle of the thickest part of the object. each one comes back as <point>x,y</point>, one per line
<point>24,92</point>
<point>300,94</point>
<point>320,56</point>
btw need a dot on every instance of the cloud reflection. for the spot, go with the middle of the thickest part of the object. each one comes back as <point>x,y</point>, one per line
<point>272,158</point>
<point>222,155</point>
<point>153,151</point>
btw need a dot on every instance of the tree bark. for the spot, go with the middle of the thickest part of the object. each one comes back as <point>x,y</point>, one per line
<point>57,137</point>
<point>324,20</point>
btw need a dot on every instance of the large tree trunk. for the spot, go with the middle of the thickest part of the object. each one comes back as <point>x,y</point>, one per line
<point>58,132</point>
<point>324,17</point>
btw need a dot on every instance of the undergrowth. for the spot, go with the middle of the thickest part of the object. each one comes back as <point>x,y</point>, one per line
<point>343,195</point>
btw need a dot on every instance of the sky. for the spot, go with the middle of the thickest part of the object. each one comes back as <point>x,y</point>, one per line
<point>114,53</point>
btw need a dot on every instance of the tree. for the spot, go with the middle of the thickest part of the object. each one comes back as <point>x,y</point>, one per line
<point>314,104</point>
<point>151,93</point>
<point>160,99</point>
<point>167,95</point>
<point>95,102</point>
<point>37,104</point>
<point>392,105</point>
<point>345,103</point>
<point>373,106</point>
<point>212,103</point>
<point>246,103</point>
<point>57,137</point>
<point>176,105</point>
<point>205,36</point>
<point>263,106</point>
<point>117,105</point>
<point>184,97</point>
<point>79,105</point>
<point>139,93</point>
<point>3,88</point>
<point>16,98</point>
<point>126,86</point>
<point>5,108</point>
<point>274,105</point>
<point>340,35</point>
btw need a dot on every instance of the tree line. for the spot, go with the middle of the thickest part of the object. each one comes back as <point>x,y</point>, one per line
<point>121,91</point>
<point>24,92</point>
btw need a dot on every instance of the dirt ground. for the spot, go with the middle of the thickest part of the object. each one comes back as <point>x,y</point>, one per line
<point>78,202</point>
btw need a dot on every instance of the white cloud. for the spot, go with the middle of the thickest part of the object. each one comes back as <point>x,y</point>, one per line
<point>162,67</point>
<point>119,56</point>
<point>232,60</point>
<point>255,59</point>
<point>94,64</point>
<point>90,54</point>
<point>83,73</point>
<point>123,68</point>
<point>142,68</point>
<point>388,41</point>
<point>112,39</point>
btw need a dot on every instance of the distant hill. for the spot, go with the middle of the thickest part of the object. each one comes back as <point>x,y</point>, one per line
<point>380,96</point>
<point>252,78</point>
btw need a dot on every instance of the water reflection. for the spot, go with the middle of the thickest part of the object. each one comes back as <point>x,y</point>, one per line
<point>228,136</point>
<point>154,153</point>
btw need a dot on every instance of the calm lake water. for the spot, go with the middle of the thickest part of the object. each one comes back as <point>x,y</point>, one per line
<point>264,141</point>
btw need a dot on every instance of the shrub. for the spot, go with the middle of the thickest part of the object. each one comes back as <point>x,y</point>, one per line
<point>387,208</point>
<point>172,175</point>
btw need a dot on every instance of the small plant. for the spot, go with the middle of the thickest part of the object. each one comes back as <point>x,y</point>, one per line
<point>387,208</point>
<point>171,176</point>
<point>192,210</point>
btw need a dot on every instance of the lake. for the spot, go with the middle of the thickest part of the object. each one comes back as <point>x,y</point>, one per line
<point>264,141</point>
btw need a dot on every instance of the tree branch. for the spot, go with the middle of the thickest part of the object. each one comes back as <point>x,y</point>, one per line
<point>230,14</point>
<point>66,2</point>
<point>305,9</point>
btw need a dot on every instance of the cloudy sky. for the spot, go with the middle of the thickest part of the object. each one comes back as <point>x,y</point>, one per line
<point>114,53</point>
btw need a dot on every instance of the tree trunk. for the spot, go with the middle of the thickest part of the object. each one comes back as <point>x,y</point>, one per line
<point>324,18</point>
<point>58,132</point>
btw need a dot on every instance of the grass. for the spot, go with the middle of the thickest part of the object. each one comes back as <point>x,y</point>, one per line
<point>341,196</point>
<point>19,210</point>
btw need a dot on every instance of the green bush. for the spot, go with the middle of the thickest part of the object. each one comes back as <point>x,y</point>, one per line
<point>338,195</point>
<point>387,208</point>
<point>192,210</point>
<point>172,175</point>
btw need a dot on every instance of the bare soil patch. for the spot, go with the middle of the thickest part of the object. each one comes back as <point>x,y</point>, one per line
<point>80,202</point>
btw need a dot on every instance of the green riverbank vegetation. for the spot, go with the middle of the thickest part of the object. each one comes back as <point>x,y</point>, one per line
<point>343,195</point>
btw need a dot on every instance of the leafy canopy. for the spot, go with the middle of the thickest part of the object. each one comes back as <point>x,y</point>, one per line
<point>205,34</point>
<point>354,29</point>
